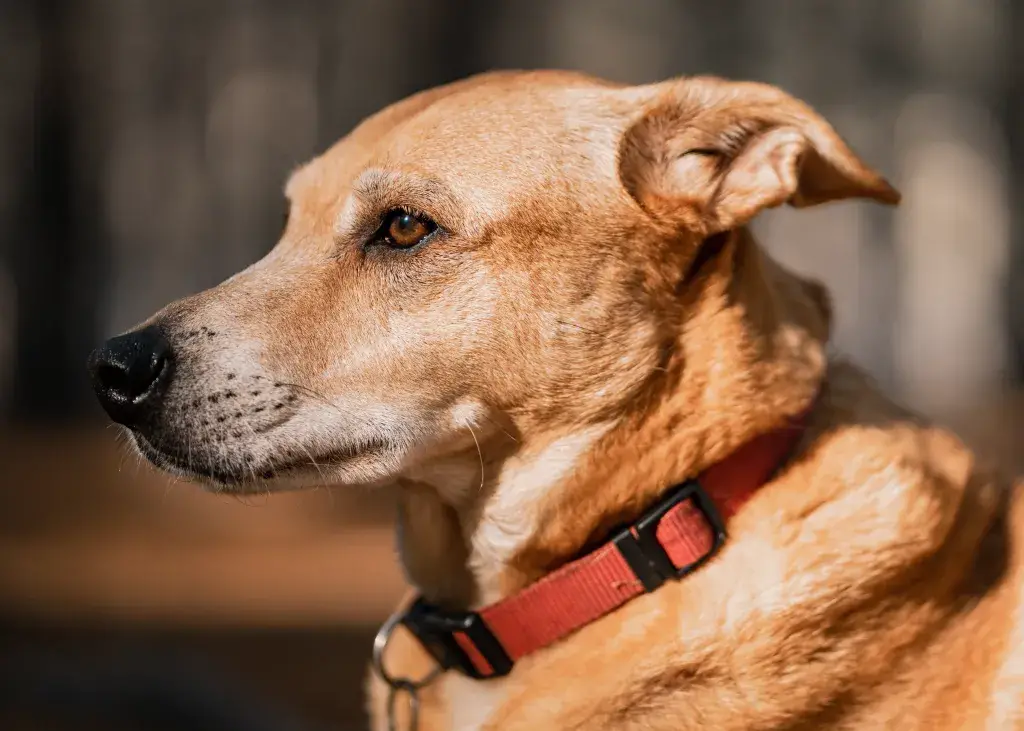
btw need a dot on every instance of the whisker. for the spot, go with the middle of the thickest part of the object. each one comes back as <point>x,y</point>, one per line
<point>315,465</point>
<point>479,452</point>
<point>576,325</point>
<point>501,429</point>
<point>314,394</point>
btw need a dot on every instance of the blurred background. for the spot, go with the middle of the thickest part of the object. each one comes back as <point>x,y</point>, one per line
<point>143,149</point>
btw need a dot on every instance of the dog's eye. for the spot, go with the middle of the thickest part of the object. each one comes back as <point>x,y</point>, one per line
<point>403,229</point>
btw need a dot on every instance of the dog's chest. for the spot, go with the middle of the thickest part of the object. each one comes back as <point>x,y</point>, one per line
<point>472,701</point>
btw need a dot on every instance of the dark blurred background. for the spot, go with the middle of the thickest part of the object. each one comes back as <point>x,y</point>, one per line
<point>143,148</point>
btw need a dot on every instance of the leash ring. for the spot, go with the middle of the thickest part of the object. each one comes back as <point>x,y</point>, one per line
<point>414,705</point>
<point>380,643</point>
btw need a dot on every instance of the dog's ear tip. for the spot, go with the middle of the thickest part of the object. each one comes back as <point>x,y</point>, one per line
<point>874,188</point>
<point>882,191</point>
<point>887,193</point>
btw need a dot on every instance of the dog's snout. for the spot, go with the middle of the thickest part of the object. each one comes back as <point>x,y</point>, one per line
<point>130,373</point>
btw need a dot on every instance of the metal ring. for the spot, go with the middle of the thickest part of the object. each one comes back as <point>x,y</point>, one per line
<point>380,643</point>
<point>414,705</point>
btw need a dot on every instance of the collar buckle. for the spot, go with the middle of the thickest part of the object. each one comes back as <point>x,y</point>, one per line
<point>647,557</point>
<point>460,640</point>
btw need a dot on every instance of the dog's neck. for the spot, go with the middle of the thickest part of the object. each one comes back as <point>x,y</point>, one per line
<point>748,351</point>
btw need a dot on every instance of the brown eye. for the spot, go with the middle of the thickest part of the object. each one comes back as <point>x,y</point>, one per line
<point>404,230</point>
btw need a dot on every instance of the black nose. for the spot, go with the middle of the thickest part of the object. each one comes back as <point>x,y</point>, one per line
<point>130,374</point>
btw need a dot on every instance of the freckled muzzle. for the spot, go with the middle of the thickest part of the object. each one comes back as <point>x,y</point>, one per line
<point>188,408</point>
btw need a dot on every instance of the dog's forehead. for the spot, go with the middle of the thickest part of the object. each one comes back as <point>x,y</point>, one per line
<point>492,141</point>
<point>521,123</point>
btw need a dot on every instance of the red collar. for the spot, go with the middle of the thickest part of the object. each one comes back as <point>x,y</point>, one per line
<point>675,537</point>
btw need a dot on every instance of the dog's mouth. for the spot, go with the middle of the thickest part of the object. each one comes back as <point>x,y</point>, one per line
<point>243,471</point>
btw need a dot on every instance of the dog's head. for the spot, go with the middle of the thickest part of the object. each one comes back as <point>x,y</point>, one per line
<point>503,254</point>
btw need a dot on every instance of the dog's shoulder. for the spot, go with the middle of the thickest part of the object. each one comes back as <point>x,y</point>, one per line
<point>970,517</point>
<point>862,427</point>
<point>876,446</point>
<point>867,435</point>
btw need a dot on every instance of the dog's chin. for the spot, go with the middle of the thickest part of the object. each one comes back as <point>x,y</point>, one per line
<point>363,465</point>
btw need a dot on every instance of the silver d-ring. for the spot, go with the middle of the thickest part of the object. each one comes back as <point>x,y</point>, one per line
<point>380,643</point>
<point>414,706</point>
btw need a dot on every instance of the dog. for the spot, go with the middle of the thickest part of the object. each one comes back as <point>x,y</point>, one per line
<point>531,299</point>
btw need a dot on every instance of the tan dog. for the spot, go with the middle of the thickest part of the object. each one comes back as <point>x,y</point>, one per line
<point>530,299</point>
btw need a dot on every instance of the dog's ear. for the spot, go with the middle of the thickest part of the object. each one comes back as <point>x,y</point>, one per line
<point>710,154</point>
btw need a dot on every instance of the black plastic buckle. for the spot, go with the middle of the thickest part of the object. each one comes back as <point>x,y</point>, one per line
<point>645,555</point>
<point>436,628</point>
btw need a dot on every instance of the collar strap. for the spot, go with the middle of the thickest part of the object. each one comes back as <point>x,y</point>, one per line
<point>675,537</point>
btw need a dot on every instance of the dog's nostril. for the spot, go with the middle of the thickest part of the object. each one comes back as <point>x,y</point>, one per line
<point>114,378</point>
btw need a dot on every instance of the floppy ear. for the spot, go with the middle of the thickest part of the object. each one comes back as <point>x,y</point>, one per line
<point>710,154</point>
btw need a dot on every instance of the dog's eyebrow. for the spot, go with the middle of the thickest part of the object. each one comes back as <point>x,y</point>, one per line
<point>380,189</point>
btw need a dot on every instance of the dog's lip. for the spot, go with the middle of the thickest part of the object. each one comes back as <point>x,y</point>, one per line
<point>171,460</point>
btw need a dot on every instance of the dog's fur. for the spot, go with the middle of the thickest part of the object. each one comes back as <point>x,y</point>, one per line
<point>592,324</point>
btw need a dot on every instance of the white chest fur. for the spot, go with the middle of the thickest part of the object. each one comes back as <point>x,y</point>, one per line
<point>510,516</point>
